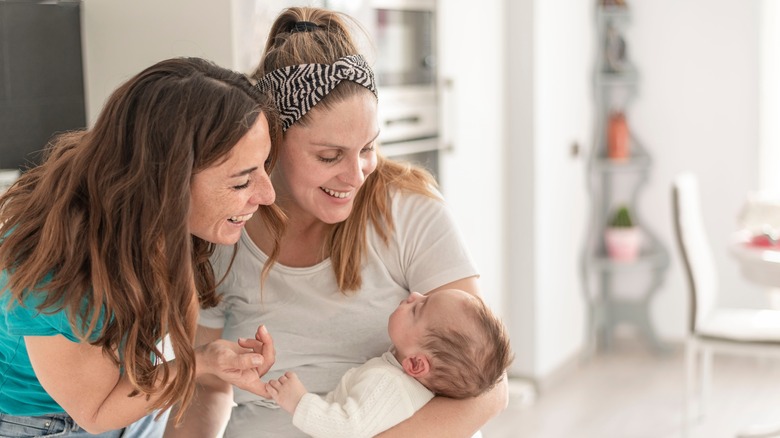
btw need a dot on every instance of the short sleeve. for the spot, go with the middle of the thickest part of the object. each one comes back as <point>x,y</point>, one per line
<point>23,319</point>
<point>432,248</point>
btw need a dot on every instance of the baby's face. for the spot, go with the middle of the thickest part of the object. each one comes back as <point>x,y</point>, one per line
<point>418,313</point>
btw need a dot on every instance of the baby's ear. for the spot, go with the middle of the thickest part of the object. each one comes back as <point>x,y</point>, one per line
<point>416,365</point>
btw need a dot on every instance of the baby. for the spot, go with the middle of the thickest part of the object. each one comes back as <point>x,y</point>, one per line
<point>444,343</point>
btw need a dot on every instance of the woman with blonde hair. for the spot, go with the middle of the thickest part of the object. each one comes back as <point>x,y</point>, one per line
<point>104,253</point>
<point>362,233</point>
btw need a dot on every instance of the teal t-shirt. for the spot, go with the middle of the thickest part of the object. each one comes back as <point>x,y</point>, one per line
<point>20,391</point>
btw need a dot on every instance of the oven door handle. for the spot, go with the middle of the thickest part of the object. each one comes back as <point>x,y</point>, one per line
<point>408,147</point>
<point>408,120</point>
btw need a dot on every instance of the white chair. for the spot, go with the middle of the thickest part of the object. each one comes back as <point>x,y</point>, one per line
<point>713,329</point>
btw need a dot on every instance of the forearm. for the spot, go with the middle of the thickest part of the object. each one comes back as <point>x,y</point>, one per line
<point>208,413</point>
<point>86,383</point>
<point>117,410</point>
<point>448,417</point>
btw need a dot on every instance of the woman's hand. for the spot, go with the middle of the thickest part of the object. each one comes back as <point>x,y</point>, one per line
<point>240,364</point>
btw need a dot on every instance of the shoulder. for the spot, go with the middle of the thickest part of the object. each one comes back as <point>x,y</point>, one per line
<point>23,318</point>
<point>379,367</point>
<point>406,204</point>
<point>414,214</point>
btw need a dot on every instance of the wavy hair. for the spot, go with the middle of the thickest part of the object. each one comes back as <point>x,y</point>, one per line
<point>331,41</point>
<point>105,217</point>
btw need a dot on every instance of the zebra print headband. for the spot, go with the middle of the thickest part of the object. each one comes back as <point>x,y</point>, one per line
<point>297,88</point>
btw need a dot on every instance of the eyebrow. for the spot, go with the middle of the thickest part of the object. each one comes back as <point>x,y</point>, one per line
<point>244,172</point>
<point>346,147</point>
<point>422,307</point>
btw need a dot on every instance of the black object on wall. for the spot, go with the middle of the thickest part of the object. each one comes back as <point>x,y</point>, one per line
<point>41,77</point>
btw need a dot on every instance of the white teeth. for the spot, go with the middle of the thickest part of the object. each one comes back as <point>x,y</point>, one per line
<point>335,194</point>
<point>243,218</point>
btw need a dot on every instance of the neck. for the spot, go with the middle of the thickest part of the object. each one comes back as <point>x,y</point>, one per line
<point>302,243</point>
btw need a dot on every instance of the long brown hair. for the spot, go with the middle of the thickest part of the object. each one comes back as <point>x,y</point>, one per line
<point>101,226</point>
<point>286,46</point>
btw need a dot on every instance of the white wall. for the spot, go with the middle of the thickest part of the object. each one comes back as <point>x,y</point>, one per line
<point>697,110</point>
<point>121,38</point>
<point>521,173</point>
<point>563,115</point>
<point>472,172</point>
<point>769,96</point>
<point>549,108</point>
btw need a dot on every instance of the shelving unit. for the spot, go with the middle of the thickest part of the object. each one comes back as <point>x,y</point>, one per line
<point>617,291</point>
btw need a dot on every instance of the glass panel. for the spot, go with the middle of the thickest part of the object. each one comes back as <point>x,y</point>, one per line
<point>405,41</point>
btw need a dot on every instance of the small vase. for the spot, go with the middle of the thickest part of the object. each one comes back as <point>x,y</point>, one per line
<point>623,243</point>
<point>617,137</point>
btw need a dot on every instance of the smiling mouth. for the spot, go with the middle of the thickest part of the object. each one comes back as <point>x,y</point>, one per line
<point>239,219</point>
<point>335,194</point>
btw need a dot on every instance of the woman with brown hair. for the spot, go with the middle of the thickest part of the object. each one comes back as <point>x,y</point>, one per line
<point>362,233</point>
<point>105,250</point>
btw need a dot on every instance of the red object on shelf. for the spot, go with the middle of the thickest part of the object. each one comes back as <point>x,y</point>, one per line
<point>764,241</point>
<point>617,137</point>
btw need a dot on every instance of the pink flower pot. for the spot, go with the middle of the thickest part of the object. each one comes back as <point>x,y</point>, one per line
<point>623,243</point>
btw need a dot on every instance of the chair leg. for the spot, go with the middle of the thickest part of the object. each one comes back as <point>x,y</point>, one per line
<point>706,380</point>
<point>691,392</point>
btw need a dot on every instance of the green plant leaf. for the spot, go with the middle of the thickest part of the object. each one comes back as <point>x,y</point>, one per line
<point>622,218</point>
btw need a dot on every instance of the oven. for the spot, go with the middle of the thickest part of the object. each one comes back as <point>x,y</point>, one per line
<point>404,37</point>
<point>423,152</point>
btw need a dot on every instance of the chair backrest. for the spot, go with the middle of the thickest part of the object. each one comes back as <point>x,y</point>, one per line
<point>694,248</point>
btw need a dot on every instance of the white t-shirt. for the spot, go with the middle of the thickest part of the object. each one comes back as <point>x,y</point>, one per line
<point>318,332</point>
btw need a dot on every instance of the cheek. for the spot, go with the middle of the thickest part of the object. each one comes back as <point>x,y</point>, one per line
<point>294,173</point>
<point>370,166</point>
<point>393,321</point>
<point>201,206</point>
<point>401,319</point>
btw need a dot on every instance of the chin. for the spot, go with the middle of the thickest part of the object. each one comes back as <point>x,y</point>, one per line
<point>230,240</point>
<point>335,218</point>
<point>222,239</point>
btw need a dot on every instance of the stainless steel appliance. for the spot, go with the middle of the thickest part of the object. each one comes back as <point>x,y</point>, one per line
<point>41,77</point>
<point>404,34</point>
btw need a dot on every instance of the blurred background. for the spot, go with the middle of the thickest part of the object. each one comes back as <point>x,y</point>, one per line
<point>504,100</point>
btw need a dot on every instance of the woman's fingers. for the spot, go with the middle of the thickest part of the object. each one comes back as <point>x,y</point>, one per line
<point>245,362</point>
<point>251,356</point>
<point>263,336</point>
<point>266,349</point>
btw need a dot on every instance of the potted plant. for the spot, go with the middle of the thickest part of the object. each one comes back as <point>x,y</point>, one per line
<point>622,237</point>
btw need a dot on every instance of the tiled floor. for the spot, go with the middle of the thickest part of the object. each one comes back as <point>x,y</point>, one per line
<point>632,393</point>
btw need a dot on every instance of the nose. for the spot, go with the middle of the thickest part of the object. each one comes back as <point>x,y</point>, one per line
<point>414,296</point>
<point>355,172</point>
<point>264,192</point>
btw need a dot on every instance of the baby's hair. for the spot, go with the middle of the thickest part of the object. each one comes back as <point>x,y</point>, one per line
<point>471,359</point>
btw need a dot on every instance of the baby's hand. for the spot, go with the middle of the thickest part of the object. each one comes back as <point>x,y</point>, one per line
<point>287,391</point>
